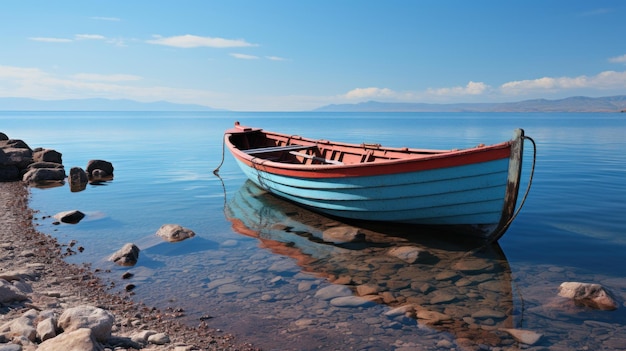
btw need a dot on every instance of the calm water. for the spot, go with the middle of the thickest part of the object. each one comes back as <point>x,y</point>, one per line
<point>259,266</point>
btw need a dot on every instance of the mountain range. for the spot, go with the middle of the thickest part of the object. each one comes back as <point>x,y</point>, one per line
<point>571,104</point>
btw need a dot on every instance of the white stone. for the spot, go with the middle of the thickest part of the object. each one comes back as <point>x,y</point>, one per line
<point>174,232</point>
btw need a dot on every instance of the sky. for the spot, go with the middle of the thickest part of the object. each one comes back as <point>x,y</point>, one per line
<point>280,55</point>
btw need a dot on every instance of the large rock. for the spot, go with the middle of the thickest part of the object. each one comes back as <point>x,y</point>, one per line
<point>3,136</point>
<point>47,155</point>
<point>98,320</point>
<point>78,179</point>
<point>174,233</point>
<point>78,340</point>
<point>39,175</point>
<point>99,169</point>
<point>126,256</point>
<point>12,156</point>
<point>590,295</point>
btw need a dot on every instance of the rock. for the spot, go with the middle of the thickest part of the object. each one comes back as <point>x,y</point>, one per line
<point>99,321</point>
<point>473,265</point>
<point>9,293</point>
<point>524,336</point>
<point>47,155</point>
<point>9,173</point>
<point>13,156</point>
<point>37,175</point>
<point>333,291</point>
<point>78,179</point>
<point>350,301</point>
<point>343,234</point>
<point>22,326</point>
<point>46,329</point>
<point>590,295</point>
<point>45,165</point>
<point>3,136</point>
<point>105,169</point>
<point>126,256</point>
<point>79,339</point>
<point>368,289</point>
<point>159,339</point>
<point>174,233</point>
<point>432,317</point>
<point>71,217</point>
<point>408,254</point>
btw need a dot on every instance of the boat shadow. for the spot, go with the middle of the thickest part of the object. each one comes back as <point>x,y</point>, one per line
<point>421,274</point>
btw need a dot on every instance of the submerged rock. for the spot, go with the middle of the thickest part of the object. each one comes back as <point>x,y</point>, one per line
<point>126,256</point>
<point>71,217</point>
<point>524,336</point>
<point>174,232</point>
<point>590,295</point>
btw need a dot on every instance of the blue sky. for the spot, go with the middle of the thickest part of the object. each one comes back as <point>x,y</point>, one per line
<point>279,55</point>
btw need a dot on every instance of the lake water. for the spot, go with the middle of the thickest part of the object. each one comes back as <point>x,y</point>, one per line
<point>260,268</point>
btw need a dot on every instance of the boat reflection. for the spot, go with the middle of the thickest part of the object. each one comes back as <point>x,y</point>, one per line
<point>440,283</point>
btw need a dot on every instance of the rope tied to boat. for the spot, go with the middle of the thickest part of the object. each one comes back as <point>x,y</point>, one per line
<point>217,170</point>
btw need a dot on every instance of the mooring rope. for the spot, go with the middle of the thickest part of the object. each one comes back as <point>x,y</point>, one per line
<point>217,170</point>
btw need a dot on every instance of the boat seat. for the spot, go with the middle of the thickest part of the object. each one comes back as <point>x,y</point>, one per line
<point>313,157</point>
<point>264,150</point>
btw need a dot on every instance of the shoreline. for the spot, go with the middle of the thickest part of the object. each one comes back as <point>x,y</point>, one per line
<point>35,260</point>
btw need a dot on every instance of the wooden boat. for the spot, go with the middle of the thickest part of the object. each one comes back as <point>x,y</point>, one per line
<point>471,191</point>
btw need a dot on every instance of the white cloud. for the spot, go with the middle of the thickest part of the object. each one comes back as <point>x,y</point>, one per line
<point>367,93</point>
<point>106,78</point>
<point>194,41</point>
<point>275,58</point>
<point>89,37</point>
<point>244,56</point>
<point>51,40</point>
<point>618,59</point>
<point>603,80</point>
<point>472,88</point>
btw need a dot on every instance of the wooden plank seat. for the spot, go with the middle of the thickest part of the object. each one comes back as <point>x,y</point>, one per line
<point>316,158</point>
<point>265,150</point>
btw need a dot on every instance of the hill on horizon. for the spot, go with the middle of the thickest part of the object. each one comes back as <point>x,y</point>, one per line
<point>570,104</point>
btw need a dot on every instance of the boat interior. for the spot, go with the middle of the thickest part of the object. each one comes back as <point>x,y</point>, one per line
<point>297,150</point>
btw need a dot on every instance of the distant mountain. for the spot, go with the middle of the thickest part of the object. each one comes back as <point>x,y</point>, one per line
<point>571,104</point>
<point>25,104</point>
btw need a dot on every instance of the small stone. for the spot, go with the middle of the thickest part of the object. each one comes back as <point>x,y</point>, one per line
<point>524,336</point>
<point>71,217</point>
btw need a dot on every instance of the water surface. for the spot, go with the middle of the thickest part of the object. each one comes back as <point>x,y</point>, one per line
<point>259,266</point>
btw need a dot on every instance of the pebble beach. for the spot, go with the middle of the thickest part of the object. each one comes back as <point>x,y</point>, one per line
<point>38,285</point>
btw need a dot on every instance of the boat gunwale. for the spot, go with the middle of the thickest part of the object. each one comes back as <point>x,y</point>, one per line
<point>416,160</point>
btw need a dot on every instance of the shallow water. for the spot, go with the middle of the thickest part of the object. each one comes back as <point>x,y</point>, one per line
<point>259,266</point>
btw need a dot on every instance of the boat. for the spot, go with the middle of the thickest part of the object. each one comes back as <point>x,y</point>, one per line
<point>472,192</point>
